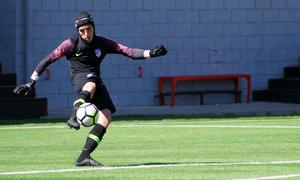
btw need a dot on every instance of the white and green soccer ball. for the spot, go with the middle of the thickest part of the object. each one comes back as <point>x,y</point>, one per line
<point>87,114</point>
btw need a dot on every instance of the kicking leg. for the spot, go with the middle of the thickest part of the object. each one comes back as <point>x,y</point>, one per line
<point>84,96</point>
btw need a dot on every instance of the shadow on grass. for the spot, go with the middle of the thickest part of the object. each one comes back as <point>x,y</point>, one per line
<point>138,118</point>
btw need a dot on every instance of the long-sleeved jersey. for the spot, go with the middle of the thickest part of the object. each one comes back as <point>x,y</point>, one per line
<point>86,57</point>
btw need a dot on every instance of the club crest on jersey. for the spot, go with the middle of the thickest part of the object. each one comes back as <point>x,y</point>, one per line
<point>98,52</point>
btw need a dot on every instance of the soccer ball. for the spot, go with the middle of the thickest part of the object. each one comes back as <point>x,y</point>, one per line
<point>87,114</point>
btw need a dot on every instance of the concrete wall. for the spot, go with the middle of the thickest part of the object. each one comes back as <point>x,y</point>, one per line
<point>204,37</point>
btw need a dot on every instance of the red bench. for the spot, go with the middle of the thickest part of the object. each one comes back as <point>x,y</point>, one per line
<point>175,79</point>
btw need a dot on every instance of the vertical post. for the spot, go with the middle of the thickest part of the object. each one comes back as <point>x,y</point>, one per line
<point>1,68</point>
<point>236,82</point>
<point>161,82</point>
<point>248,88</point>
<point>173,92</point>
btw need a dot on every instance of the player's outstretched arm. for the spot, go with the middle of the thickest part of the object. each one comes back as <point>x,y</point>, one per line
<point>27,88</point>
<point>59,52</point>
<point>134,53</point>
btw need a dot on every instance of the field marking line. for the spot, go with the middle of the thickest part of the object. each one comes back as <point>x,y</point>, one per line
<point>246,120</point>
<point>152,125</point>
<point>236,120</point>
<point>204,126</point>
<point>271,177</point>
<point>34,127</point>
<point>182,122</point>
<point>158,124</point>
<point>146,166</point>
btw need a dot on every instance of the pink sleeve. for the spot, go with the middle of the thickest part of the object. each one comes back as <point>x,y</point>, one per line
<point>126,51</point>
<point>60,51</point>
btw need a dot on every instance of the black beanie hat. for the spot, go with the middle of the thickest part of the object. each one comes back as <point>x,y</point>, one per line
<point>84,18</point>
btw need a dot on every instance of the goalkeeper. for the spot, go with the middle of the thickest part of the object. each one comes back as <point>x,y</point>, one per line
<point>85,53</point>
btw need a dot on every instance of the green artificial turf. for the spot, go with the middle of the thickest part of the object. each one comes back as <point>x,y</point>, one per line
<point>155,147</point>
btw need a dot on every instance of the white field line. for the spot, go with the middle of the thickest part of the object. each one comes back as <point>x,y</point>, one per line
<point>227,121</point>
<point>272,177</point>
<point>206,126</point>
<point>146,166</point>
<point>34,127</point>
<point>243,120</point>
<point>150,124</point>
<point>157,126</point>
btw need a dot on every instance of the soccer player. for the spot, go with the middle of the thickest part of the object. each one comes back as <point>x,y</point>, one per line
<point>85,53</point>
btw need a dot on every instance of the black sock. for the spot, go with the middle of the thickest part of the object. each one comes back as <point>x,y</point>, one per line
<point>82,98</point>
<point>92,141</point>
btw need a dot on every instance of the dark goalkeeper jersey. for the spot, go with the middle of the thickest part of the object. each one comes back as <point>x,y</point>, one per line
<point>86,57</point>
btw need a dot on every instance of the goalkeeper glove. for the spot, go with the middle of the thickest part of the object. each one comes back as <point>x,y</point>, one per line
<point>159,50</point>
<point>25,88</point>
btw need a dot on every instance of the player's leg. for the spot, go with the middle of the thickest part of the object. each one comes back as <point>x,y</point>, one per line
<point>84,96</point>
<point>94,138</point>
<point>104,103</point>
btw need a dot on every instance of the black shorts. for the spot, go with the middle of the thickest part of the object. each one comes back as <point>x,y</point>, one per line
<point>101,97</point>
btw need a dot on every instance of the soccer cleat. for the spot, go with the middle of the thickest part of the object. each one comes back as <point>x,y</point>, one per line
<point>88,162</point>
<point>72,123</point>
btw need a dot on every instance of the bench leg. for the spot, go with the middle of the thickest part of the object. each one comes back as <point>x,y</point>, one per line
<point>162,100</point>
<point>201,99</point>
